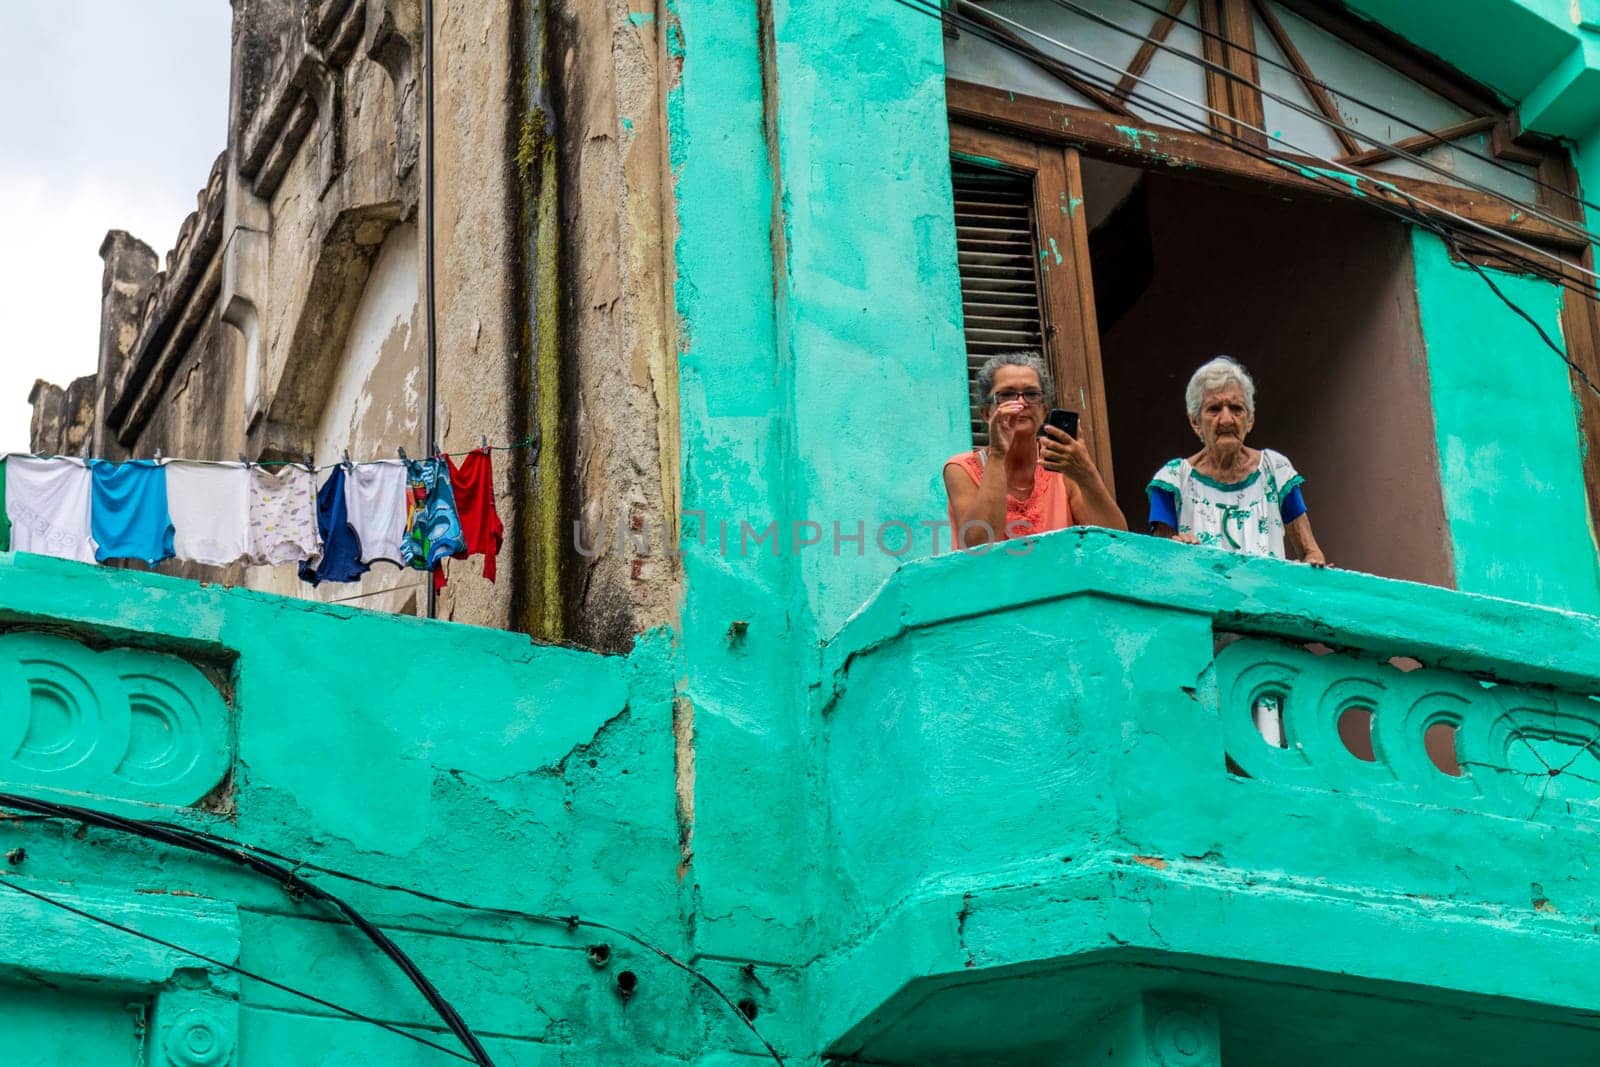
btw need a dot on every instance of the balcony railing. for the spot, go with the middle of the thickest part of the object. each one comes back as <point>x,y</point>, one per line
<point>1117,763</point>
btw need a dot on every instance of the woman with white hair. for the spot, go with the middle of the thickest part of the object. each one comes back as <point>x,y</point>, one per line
<point>1031,478</point>
<point>1227,494</point>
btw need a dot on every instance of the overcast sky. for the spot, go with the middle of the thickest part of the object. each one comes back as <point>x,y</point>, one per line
<point>111,114</point>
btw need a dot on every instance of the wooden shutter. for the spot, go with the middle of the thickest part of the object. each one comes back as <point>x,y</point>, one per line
<point>999,268</point>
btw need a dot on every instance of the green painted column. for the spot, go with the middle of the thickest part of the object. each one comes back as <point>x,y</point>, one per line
<point>1506,419</point>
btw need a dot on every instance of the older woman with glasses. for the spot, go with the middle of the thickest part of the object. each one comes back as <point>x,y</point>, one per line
<point>1031,477</point>
<point>1229,495</point>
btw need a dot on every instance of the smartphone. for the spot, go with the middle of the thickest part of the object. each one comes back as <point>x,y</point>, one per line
<point>1063,420</point>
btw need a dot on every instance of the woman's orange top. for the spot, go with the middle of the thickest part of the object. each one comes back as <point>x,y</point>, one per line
<point>1045,509</point>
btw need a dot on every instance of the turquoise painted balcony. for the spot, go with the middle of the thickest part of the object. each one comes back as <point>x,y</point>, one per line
<point>1120,800</point>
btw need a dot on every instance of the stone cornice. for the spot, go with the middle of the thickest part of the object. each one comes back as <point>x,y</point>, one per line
<point>193,258</point>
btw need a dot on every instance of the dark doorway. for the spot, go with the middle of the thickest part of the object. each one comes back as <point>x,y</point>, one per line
<point>1317,300</point>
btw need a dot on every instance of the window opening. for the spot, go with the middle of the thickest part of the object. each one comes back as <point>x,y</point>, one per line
<point>1000,304</point>
<point>1316,299</point>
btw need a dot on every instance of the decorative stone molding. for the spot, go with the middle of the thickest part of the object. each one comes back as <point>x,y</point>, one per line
<point>1182,1032</point>
<point>127,724</point>
<point>199,1038</point>
<point>1520,750</point>
<point>195,1009</point>
<point>393,30</point>
<point>174,307</point>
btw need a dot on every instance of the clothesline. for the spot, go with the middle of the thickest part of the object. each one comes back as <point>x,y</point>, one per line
<point>412,513</point>
<point>346,462</point>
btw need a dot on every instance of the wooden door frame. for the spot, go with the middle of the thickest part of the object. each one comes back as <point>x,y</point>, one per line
<point>1069,327</point>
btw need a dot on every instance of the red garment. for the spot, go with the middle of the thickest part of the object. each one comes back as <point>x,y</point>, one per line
<point>481,529</point>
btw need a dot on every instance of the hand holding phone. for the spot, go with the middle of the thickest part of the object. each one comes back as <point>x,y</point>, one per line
<point>1063,420</point>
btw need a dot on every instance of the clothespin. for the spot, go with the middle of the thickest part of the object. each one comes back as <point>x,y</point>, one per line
<point>244,461</point>
<point>403,457</point>
<point>310,466</point>
<point>437,451</point>
<point>158,455</point>
<point>347,464</point>
<point>483,441</point>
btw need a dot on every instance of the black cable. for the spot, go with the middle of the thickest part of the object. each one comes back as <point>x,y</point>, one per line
<point>569,921</point>
<point>1184,123</point>
<point>1374,108</point>
<point>430,429</point>
<point>1414,215</point>
<point>12,884</point>
<point>185,839</point>
<point>1567,225</point>
<point>1514,306</point>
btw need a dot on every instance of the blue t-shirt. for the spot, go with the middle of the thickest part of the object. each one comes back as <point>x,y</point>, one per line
<point>128,514</point>
<point>341,547</point>
<point>1164,507</point>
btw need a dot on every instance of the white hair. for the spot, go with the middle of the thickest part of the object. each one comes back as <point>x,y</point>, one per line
<point>1217,374</point>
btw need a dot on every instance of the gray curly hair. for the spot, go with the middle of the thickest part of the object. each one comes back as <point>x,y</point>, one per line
<point>983,384</point>
<point>1217,374</point>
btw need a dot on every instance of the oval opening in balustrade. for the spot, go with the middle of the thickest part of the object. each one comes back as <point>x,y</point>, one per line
<point>1355,730</point>
<point>1267,714</point>
<point>1440,741</point>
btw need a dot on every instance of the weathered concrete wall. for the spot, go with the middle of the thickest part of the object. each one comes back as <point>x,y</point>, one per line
<point>374,402</point>
<point>620,400</point>
<point>1513,484</point>
<point>483,768</point>
<point>477,334</point>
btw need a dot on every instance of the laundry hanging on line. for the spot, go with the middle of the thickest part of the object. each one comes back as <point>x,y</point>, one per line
<point>399,512</point>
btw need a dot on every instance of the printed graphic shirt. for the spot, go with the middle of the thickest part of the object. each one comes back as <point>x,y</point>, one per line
<point>433,530</point>
<point>1248,516</point>
<point>47,501</point>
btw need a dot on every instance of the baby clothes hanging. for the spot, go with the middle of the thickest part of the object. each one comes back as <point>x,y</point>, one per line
<point>283,515</point>
<point>341,548</point>
<point>210,507</point>
<point>128,513</point>
<point>433,530</point>
<point>47,501</point>
<point>375,496</point>
<point>473,485</point>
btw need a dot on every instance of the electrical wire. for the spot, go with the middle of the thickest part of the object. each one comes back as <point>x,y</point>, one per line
<point>429,209</point>
<point>512,447</point>
<point>1416,215</point>
<point>82,913</point>
<point>184,839</point>
<point>1566,225</point>
<point>1376,109</point>
<point>1314,157</point>
<point>569,921</point>
<point>66,812</point>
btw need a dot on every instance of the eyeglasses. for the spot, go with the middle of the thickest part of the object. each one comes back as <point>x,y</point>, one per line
<point>1006,396</point>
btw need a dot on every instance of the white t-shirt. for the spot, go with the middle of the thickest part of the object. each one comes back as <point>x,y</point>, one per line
<point>210,508</point>
<point>47,501</point>
<point>1244,516</point>
<point>375,507</point>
